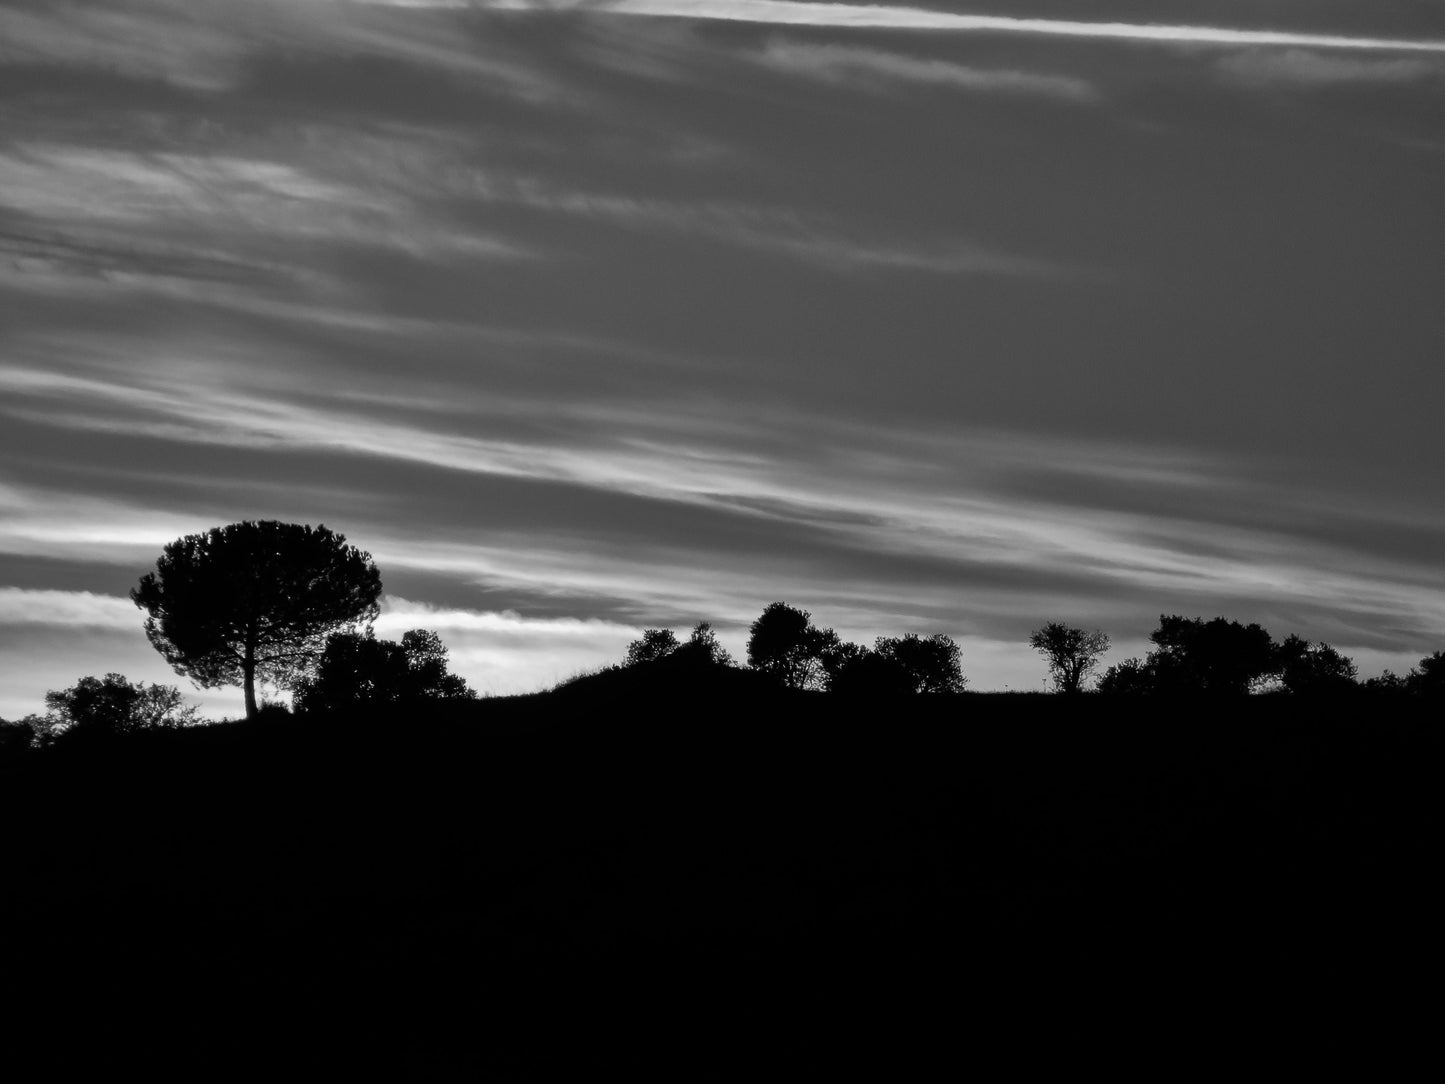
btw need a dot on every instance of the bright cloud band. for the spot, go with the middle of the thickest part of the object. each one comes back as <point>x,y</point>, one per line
<point>859,16</point>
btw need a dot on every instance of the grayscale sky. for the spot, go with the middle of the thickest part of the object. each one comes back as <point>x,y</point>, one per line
<point>586,317</point>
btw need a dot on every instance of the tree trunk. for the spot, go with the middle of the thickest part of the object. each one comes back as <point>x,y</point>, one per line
<point>248,668</point>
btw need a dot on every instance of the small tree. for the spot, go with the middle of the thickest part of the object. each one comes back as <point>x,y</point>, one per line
<point>1072,653</point>
<point>112,705</point>
<point>427,675</point>
<point>867,673</point>
<point>785,643</point>
<point>1428,678</point>
<point>1388,683</point>
<point>18,735</point>
<point>1132,677</point>
<point>1313,669</point>
<point>932,665</point>
<point>704,647</point>
<point>1217,656</point>
<point>652,645</point>
<point>357,668</point>
<point>841,660</point>
<point>255,600</point>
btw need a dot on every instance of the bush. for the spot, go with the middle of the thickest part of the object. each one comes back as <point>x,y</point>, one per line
<point>1428,679</point>
<point>932,665</point>
<point>357,668</point>
<point>653,644</point>
<point>897,666</point>
<point>1132,677</point>
<point>1314,669</point>
<point>112,705</point>
<point>16,737</point>
<point>703,649</point>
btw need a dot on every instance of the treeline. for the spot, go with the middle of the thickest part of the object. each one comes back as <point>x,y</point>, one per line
<point>1194,656</point>
<point>292,606</point>
<point>794,653</point>
<point>1191,657</point>
<point>353,670</point>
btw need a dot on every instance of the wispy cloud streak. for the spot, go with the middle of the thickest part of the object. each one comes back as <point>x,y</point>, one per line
<point>859,511</point>
<point>205,46</point>
<point>1306,68</point>
<point>847,64</point>
<point>68,609</point>
<point>851,16</point>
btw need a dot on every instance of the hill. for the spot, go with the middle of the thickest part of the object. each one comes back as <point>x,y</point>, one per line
<point>732,883</point>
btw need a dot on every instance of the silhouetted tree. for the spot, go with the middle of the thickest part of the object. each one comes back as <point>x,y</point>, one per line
<point>1313,669</point>
<point>1216,656</point>
<point>1428,678</point>
<point>785,643</point>
<point>839,658</point>
<point>864,672</point>
<point>255,600</point>
<point>703,647</point>
<point>1388,683</point>
<point>1131,677</point>
<point>112,705</point>
<point>1072,653</point>
<point>353,668</point>
<point>1195,656</point>
<point>16,735</point>
<point>932,665</point>
<point>652,645</point>
<point>357,668</point>
<point>427,660</point>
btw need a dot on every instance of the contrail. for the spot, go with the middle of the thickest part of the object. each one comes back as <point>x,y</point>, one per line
<point>859,16</point>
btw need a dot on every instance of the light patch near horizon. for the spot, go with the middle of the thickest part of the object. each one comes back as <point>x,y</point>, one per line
<point>499,653</point>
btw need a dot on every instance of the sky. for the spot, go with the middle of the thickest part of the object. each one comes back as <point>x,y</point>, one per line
<point>588,317</point>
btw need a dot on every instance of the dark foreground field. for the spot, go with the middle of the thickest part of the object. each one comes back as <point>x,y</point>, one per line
<point>733,885</point>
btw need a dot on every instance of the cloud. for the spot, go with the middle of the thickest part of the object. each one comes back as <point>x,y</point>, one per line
<point>844,64</point>
<point>697,521</point>
<point>144,41</point>
<point>400,614</point>
<point>66,609</point>
<point>957,258</point>
<point>70,182</point>
<point>503,652</point>
<point>212,411</point>
<point>218,208</point>
<point>207,45</point>
<point>857,16</point>
<point>1310,68</point>
<point>194,225</point>
<point>804,235</point>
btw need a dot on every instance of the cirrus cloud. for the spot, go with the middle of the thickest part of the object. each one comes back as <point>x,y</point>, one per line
<point>882,16</point>
<point>1313,68</point>
<point>840,64</point>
